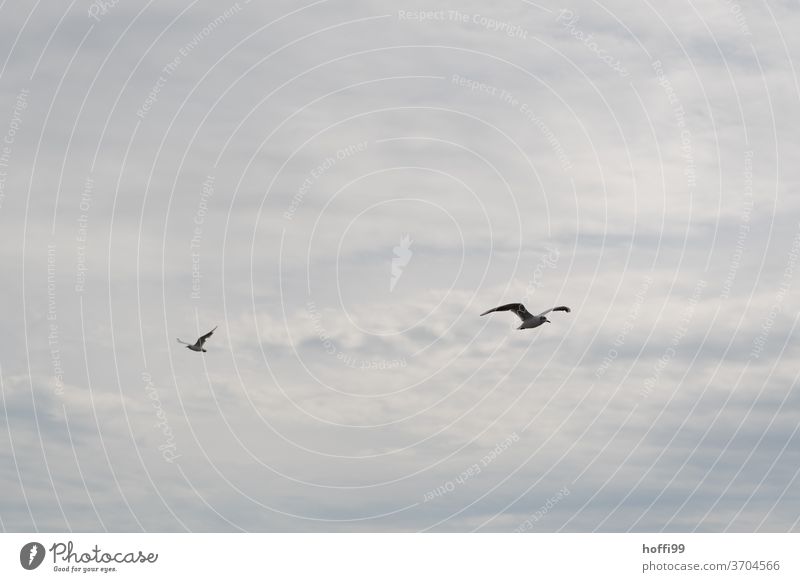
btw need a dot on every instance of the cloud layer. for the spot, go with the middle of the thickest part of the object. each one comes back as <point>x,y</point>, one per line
<point>343,188</point>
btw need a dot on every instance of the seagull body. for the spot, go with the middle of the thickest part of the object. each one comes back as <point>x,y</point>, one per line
<point>529,321</point>
<point>198,345</point>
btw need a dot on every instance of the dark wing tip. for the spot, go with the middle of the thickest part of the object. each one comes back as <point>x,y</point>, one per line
<point>208,335</point>
<point>517,308</point>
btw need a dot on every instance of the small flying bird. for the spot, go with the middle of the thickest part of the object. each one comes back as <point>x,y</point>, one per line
<point>529,320</point>
<point>198,345</point>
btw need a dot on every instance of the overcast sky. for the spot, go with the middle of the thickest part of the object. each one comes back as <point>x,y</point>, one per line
<point>343,187</point>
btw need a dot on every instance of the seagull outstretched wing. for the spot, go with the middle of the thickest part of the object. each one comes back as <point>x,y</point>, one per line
<point>517,308</point>
<point>559,308</point>
<point>202,339</point>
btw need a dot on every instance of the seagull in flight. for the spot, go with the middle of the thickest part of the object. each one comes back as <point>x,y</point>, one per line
<point>198,345</point>
<point>529,320</point>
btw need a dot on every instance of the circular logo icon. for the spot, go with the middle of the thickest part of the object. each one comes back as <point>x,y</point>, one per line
<point>31,555</point>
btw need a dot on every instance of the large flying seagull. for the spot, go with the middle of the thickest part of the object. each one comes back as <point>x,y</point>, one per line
<point>198,345</point>
<point>529,320</point>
